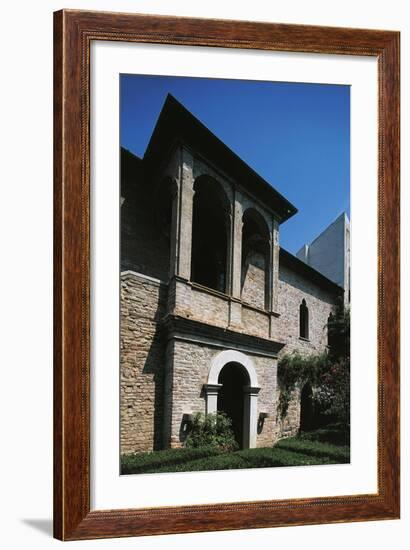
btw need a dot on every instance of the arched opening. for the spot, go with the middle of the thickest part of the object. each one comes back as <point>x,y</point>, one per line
<point>210,234</point>
<point>304,320</point>
<point>306,409</point>
<point>231,398</point>
<point>248,381</point>
<point>255,260</point>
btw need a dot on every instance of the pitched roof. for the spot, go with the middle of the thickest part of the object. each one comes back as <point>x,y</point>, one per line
<point>176,123</point>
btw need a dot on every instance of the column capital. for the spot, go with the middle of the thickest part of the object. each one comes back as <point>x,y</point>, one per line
<point>251,390</point>
<point>210,389</point>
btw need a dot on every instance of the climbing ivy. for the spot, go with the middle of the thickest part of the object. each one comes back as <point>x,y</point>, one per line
<point>295,370</point>
<point>328,372</point>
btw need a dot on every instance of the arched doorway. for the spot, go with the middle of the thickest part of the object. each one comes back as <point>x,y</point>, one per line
<point>240,396</point>
<point>231,397</point>
<point>306,408</point>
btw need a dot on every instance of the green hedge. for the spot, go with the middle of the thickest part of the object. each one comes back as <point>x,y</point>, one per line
<point>335,435</point>
<point>221,462</point>
<point>276,457</point>
<point>249,458</point>
<point>315,448</point>
<point>304,450</point>
<point>136,463</point>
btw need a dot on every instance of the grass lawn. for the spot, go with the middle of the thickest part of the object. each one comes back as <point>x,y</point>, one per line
<point>324,446</point>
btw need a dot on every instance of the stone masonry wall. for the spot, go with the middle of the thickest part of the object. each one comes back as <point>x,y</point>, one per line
<point>266,369</point>
<point>192,301</point>
<point>255,322</point>
<point>143,303</point>
<point>253,283</point>
<point>293,288</point>
<point>289,425</point>
<point>191,366</point>
<point>201,304</point>
<point>145,362</point>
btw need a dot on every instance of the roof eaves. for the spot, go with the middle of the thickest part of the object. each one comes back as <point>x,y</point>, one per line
<point>173,109</point>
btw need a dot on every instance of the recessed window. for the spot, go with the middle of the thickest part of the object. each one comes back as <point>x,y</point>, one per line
<point>210,234</point>
<point>255,260</point>
<point>303,320</point>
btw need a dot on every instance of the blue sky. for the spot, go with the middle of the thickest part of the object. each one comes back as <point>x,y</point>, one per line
<point>295,135</point>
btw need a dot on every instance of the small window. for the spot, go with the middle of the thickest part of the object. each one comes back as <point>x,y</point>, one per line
<point>303,320</point>
<point>329,330</point>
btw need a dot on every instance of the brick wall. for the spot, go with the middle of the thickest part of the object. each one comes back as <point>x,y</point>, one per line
<point>142,363</point>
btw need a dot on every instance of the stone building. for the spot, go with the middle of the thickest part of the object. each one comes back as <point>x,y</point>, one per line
<point>209,300</point>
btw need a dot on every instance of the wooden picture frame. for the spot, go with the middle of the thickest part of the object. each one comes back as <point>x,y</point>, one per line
<point>73,33</point>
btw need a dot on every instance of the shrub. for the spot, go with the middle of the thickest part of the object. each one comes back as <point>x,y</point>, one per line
<point>333,393</point>
<point>214,429</point>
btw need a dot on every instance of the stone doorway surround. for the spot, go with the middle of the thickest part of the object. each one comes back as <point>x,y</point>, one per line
<point>251,392</point>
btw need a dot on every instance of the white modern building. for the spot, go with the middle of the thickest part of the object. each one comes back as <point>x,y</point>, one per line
<point>329,253</point>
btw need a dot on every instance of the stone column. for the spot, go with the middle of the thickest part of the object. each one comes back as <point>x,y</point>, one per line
<point>183,208</point>
<point>250,424</point>
<point>235,312</point>
<point>181,225</point>
<point>211,397</point>
<point>229,250</point>
<point>274,267</point>
<point>236,247</point>
<point>174,235</point>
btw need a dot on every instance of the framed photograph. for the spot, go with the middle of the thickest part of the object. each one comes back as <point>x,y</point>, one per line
<point>226,275</point>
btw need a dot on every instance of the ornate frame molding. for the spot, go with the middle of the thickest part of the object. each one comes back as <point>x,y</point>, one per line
<point>73,33</point>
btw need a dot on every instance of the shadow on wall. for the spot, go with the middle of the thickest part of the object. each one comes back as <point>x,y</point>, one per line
<point>145,248</point>
<point>155,366</point>
<point>143,361</point>
<point>145,221</point>
<point>185,427</point>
